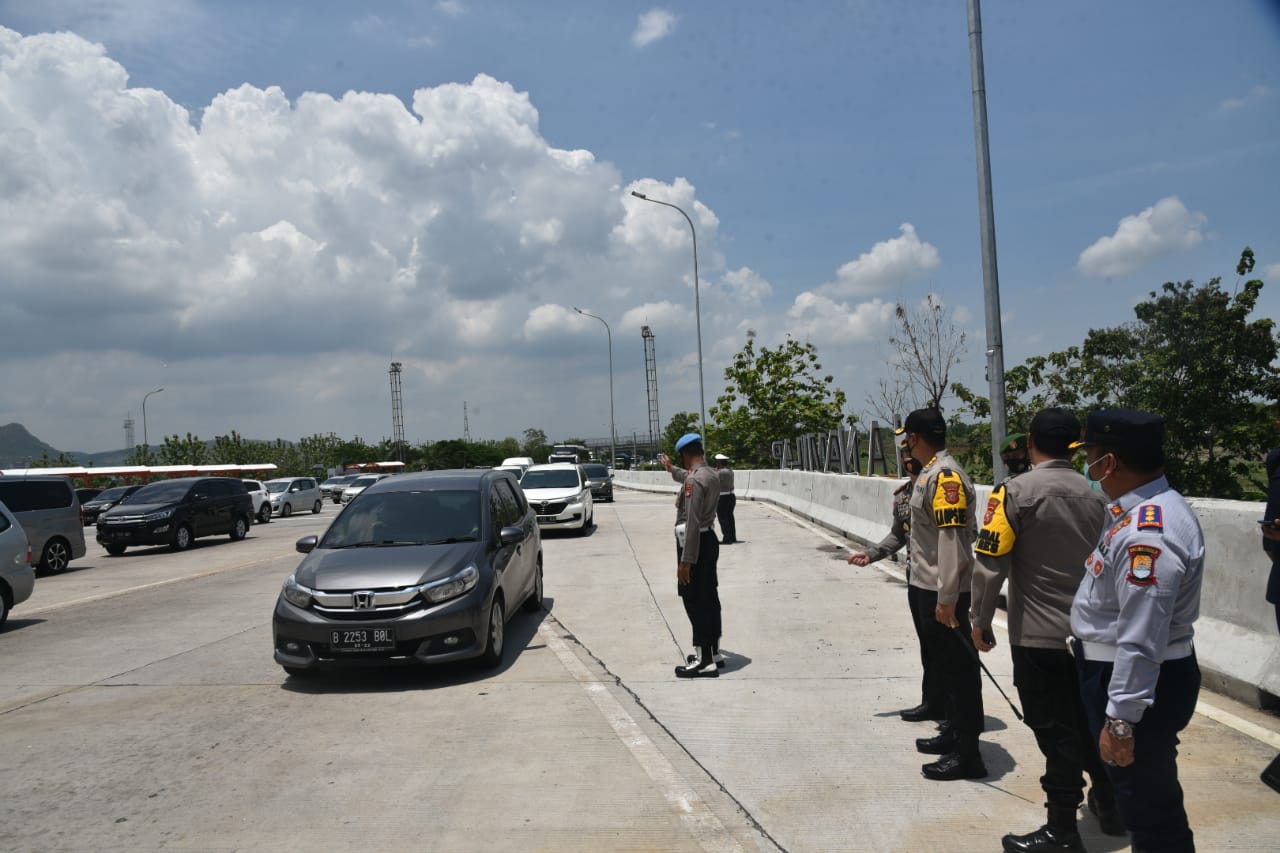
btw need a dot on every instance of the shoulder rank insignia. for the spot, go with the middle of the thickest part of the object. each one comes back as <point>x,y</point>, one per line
<point>950,501</point>
<point>688,488</point>
<point>1142,565</point>
<point>996,537</point>
<point>1150,517</point>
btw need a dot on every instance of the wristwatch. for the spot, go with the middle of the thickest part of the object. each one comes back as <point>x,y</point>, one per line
<point>1119,728</point>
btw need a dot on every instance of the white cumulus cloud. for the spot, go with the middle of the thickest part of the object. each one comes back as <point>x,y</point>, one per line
<point>1162,229</point>
<point>823,320</point>
<point>887,264</point>
<point>652,26</point>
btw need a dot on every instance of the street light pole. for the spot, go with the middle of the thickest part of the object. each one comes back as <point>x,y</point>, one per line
<point>697,306</point>
<point>145,443</point>
<point>613,438</point>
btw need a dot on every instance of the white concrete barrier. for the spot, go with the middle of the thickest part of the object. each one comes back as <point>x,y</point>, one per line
<point>1236,640</point>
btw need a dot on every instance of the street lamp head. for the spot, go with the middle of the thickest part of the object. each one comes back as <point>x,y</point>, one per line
<point>579,310</point>
<point>639,195</point>
<point>157,391</point>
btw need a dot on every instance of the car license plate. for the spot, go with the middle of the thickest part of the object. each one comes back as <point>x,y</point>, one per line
<point>362,639</point>
<point>546,518</point>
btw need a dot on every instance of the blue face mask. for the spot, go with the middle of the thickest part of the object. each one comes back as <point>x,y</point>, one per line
<point>1087,470</point>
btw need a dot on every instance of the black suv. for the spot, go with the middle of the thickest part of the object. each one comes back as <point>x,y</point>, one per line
<point>176,512</point>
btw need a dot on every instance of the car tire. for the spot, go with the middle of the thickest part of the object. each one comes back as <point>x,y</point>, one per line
<point>533,603</point>
<point>315,509</point>
<point>181,538</point>
<point>298,672</point>
<point>115,550</point>
<point>495,635</point>
<point>240,529</point>
<point>286,510</point>
<point>55,557</point>
<point>5,607</point>
<point>264,514</point>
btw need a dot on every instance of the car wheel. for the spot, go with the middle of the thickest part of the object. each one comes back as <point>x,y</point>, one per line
<point>264,514</point>
<point>496,641</point>
<point>56,556</point>
<point>4,607</point>
<point>299,672</point>
<point>115,550</point>
<point>181,538</point>
<point>533,603</point>
<point>316,508</point>
<point>286,510</point>
<point>240,529</point>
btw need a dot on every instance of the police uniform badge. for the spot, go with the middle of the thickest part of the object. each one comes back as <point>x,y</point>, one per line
<point>996,537</point>
<point>688,488</point>
<point>950,501</point>
<point>1150,517</point>
<point>1115,510</point>
<point>1142,565</point>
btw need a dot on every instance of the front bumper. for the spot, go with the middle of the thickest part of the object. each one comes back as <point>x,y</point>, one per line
<point>573,517</point>
<point>151,533</point>
<point>454,630</point>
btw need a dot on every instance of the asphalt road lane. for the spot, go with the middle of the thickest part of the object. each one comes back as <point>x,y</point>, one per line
<point>140,709</point>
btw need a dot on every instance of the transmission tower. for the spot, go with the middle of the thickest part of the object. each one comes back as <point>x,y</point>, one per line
<point>397,410</point>
<point>651,383</point>
<point>128,431</point>
<point>466,424</point>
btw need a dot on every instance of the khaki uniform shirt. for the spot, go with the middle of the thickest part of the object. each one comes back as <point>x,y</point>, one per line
<point>726,480</point>
<point>896,540</point>
<point>1038,529</point>
<point>679,475</point>
<point>700,495</point>
<point>942,529</point>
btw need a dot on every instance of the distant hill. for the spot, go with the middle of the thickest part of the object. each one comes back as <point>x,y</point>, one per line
<point>18,447</point>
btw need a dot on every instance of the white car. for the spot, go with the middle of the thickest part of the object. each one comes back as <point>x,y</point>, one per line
<point>359,484</point>
<point>560,496</point>
<point>293,494</point>
<point>524,463</point>
<point>261,500</point>
<point>17,575</point>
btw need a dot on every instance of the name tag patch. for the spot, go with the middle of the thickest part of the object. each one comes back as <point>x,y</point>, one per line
<point>1142,564</point>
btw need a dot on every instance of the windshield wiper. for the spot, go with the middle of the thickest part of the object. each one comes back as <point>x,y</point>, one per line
<point>450,541</point>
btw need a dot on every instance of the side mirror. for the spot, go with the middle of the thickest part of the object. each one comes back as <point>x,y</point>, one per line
<point>306,544</point>
<point>511,536</point>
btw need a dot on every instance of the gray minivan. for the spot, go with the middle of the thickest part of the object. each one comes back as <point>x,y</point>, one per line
<point>16,575</point>
<point>49,512</point>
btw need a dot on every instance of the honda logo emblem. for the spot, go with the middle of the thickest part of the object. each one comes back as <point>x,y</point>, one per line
<point>363,600</point>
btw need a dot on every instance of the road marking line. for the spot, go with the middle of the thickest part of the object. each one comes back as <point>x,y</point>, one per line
<point>1203,708</point>
<point>702,823</point>
<point>92,599</point>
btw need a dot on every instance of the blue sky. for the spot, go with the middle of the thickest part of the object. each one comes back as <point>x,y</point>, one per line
<point>813,135</point>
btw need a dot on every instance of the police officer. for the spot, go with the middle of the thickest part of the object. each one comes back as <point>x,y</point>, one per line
<point>942,534</point>
<point>1013,453</point>
<point>696,568</point>
<point>1133,619</point>
<point>932,699</point>
<point>1038,529</point>
<point>728,501</point>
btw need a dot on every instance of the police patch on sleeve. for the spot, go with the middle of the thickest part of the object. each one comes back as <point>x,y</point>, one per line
<point>1150,517</point>
<point>950,501</point>
<point>1142,565</point>
<point>996,537</point>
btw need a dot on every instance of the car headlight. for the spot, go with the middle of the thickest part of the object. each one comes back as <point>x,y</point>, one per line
<point>452,587</point>
<point>296,594</point>
<point>158,516</point>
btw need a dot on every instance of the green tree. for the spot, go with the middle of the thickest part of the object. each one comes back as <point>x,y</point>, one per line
<point>1196,356</point>
<point>536,445</point>
<point>680,423</point>
<point>773,394</point>
<point>177,450</point>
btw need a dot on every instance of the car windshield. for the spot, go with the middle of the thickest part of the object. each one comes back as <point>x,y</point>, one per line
<point>278,486</point>
<point>160,493</point>
<point>549,479</point>
<point>113,494</point>
<point>596,472</point>
<point>407,518</point>
<point>362,482</point>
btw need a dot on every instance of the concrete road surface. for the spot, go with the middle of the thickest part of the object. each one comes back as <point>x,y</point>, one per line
<point>140,710</point>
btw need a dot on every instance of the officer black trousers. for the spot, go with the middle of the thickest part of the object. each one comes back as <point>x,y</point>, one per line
<point>951,651</point>
<point>1147,791</point>
<point>1049,688</point>
<point>724,514</point>
<point>932,693</point>
<point>701,596</point>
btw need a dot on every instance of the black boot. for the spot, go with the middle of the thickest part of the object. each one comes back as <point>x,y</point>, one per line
<point>920,713</point>
<point>703,667</point>
<point>1058,834</point>
<point>940,744</point>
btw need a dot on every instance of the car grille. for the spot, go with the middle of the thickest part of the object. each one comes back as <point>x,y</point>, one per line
<point>367,603</point>
<point>549,507</point>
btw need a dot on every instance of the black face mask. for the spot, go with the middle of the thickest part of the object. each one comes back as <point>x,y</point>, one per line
<point>912,465</point>
<point>1017,464</point>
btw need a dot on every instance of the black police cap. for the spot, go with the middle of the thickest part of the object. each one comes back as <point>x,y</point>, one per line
<point>926,422</point>
<point>1054,426</point>
<point>1123,428</point>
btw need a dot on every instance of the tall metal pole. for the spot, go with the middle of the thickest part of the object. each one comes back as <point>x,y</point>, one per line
<point>986,213</point>
<point>613,434</point>
<point>697,308</point>
<point>145,443</point>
